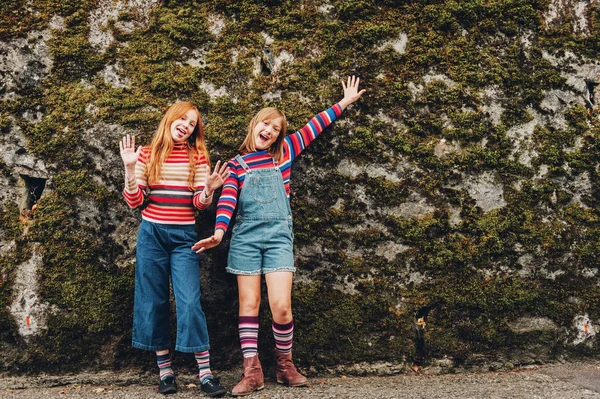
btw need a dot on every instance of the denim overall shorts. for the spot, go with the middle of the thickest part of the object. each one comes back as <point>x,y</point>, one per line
<point>262,238</point>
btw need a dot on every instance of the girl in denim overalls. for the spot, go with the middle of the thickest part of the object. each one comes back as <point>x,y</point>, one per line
<point>262,238</point>
<point>174,173</point>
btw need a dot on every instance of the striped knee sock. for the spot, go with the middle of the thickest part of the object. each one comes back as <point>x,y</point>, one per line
<point>284,335</point>
<point>203,360</point>
<point>248,328</point>
<point>164,365</point>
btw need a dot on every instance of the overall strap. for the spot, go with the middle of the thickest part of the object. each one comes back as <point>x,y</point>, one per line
<point>243,164</point>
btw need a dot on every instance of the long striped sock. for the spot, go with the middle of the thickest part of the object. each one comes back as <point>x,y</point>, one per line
<point>248,328</point>
<point>164,365</point>
<point>203,360</point>
<point>284,335</point>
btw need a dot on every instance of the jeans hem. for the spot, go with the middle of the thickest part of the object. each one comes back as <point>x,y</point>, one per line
<point>243,272</point>
<point>190,349</point>
<point>150,347</point>
<point>279,269</point>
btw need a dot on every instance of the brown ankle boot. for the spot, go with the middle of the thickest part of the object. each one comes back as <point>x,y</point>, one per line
<point>286,371</point>
<point>252,380</point>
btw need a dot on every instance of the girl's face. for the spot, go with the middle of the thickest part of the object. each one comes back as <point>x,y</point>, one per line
<point>266,132</point>
<point>183,127</point>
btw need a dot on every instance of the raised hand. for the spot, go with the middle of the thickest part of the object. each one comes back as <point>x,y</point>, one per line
<point>128,152</point>
<point>351,92</point>
<point>216,179</point>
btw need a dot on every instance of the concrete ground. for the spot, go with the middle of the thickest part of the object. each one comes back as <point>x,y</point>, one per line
<point>560,381</point>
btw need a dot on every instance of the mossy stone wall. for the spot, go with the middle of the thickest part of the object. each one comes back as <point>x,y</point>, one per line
<point>452,213</point>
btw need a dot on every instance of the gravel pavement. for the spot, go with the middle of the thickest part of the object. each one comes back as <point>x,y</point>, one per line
<point>559,381</point>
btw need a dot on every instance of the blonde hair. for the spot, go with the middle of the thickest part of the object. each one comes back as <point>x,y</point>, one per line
<point>269,114</point>
<point>162,143</point>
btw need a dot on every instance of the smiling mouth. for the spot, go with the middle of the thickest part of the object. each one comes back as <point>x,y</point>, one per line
<point>263,137</point>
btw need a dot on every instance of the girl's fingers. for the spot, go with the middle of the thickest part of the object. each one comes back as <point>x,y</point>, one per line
<point>349,84</point>
<point>224,167</point>
<point>343,85</point>
<point>357,82</point>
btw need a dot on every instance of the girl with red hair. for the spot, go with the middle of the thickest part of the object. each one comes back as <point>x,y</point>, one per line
<point>174,174</point>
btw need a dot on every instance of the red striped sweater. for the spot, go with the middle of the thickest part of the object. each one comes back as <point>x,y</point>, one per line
<point>170,200</point>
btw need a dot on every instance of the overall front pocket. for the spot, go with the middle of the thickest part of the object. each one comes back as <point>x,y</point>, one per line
<point>265,189</point>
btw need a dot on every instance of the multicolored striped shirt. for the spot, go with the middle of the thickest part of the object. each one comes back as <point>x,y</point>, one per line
<point>171,201</point>
<point>293,145</point>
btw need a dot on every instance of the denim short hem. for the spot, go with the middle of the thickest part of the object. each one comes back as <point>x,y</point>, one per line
<point>243,272</point>
<point>190,349</point>
<point>280,269</point>
<point>150,347</point>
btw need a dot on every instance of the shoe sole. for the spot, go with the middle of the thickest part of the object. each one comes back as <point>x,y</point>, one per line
<point>247,393</point>
<point>304,384</point>
<point>168,391</point>
<point>216,394</point>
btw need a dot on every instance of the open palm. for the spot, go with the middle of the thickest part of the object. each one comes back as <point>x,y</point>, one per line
<point>128,152</point>
<point>216,179</point>
<point>351,93</point>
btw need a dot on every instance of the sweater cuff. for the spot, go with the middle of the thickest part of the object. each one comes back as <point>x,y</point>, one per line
<point>204,199</point>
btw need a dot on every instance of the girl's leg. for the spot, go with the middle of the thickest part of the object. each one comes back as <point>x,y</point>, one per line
<point>279,288</point>
<point>151,299</point>
<point>167,382</point>
<point>163,360</point>
<point>203,361</point>
<point>279,285</point>
<point>192,332</point>
<point>249,297</point>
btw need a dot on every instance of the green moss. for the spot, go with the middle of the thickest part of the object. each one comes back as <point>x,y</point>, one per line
<point>367,325</point>
<point>468,266</point>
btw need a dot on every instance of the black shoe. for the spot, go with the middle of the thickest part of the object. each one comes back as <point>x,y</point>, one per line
<point>167,385</point>
<point>212,386</point>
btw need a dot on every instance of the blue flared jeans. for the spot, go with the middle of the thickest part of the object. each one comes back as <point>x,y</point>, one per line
<point>164,252</point>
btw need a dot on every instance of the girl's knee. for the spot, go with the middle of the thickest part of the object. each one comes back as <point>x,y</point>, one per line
<point>249,303</point>
<point>281,309</point>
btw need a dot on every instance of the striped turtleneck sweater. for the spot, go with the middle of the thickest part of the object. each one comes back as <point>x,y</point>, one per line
<point>293,145</point>
<point>171,201</point>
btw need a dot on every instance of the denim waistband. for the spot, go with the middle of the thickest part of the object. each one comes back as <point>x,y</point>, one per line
<point>191,227</point>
